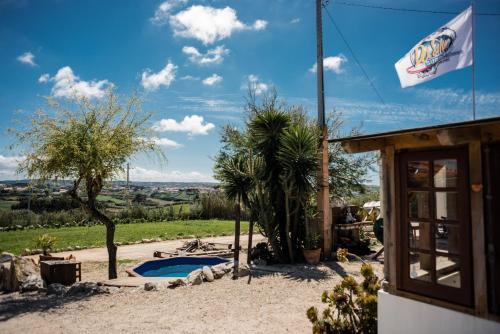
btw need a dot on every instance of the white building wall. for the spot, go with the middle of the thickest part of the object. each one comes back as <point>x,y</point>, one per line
<point>402,315</point>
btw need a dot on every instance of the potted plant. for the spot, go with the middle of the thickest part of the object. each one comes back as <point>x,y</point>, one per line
<point>312,248</point>
<point>45,242</point>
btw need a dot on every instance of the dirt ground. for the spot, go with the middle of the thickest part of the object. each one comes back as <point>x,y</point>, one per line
<point>274,301</point>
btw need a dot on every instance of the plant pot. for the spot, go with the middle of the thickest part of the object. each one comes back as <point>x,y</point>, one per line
<point>312,255</point>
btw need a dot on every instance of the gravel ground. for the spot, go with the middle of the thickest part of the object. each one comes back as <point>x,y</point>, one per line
<point>265,303</point>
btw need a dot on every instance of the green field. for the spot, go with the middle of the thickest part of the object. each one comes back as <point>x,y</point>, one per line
<point>93,236</point>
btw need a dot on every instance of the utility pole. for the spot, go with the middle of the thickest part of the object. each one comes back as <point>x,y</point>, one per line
<point>323,193</point>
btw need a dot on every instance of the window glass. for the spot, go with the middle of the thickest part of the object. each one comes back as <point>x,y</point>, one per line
<point>446,205</point>
<point>418,202</point>
<point>445,173</point>
<point>420,235</point>
<point>448,271</point>
<point>420,266</point>
<point>418,174</point>
<point>447,238</point>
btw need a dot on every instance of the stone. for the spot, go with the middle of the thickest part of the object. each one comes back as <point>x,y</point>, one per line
<point>219,270</point>
<point>14,273</point>
<point>86,288</point>
<point>177,282</point>
<point>56,289</point>
<point>150,286</point>
<point>243,270</point>
<point>207,274</point>
<point>195,277</point>
<point>6,257</point>
<point>33,283</point>
<point>6,277</point>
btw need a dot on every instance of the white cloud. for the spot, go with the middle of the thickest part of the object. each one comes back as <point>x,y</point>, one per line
<point>67,84</point>
<point>295,20</point>
<point>8,166</point>
<point>256,85</point>
<point>152,81</point>
<point>208,24</point>
<point>44,78</point>
<point>212,56</point>
<point>189,77</point>
<point>212,80</point>
<point>144,174</point>
<point>27,58</point>
<point>162,13</point>
<point>259,25</point>
<point>193,125</point>
<point>333,64</point>
<point>165,142</point>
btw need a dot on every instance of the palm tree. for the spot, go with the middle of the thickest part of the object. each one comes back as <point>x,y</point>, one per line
<point>237,183</point>
<point>298,157</point>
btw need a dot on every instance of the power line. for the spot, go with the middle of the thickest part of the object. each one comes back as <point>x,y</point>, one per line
<point>353,54</point>
<point>398,9</point>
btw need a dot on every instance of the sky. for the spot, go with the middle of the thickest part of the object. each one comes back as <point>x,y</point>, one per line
<point>192,61</point>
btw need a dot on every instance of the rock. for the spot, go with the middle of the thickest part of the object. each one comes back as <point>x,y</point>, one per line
<point>177,282</point>
<point>5,276</point>
<point>56,289</point>
<point>207,274</point>
<point>86,288</point>
<point>219,270</point>
<point>33,283</point>
<point>243,270</point>
<point>14,273</point>
<point>6,257</point>
<point>150,286</point>
<point>195,277</point>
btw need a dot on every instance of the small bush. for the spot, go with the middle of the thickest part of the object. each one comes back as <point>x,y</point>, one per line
<point>352,307</point>
<point>45,242</point>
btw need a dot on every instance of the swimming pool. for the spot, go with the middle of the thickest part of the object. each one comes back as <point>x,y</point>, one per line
<point>174,267</point>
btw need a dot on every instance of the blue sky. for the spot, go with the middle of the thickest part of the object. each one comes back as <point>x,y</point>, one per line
<point>193,60</point>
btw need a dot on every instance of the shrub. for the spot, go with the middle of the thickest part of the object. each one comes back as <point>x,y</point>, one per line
<point>45,242</point>
<point>352,307</point>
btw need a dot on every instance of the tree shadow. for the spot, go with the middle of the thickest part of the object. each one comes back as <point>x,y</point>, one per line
<point>300,272</point>
<point>15,304</point>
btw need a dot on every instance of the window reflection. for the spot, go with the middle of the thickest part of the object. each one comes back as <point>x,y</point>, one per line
<point>447,238</point>
<point>446,205</point>
<point>418,174</point>
<point>418,202</point>
<point>420,266</point>
<point>445,173</point>
<point>448,271</point>
<point>420,235</point>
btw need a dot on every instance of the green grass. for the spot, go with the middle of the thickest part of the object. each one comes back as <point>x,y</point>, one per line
<point>6,205</point>
<point>94,236</point>
<point>108,198</point>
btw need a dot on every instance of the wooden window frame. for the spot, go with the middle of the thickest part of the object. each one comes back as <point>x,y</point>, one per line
<point>463,295</point>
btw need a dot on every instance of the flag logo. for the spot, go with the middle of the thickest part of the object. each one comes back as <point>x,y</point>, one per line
<point>426,56</point>
<point>447,49</point>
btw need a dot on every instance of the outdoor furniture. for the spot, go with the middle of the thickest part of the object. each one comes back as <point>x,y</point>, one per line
<point>61,271</point>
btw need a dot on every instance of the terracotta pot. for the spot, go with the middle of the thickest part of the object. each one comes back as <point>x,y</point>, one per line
<point>312,255</point>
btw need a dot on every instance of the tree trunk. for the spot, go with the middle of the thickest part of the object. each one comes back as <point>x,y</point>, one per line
<point>110,244</point>
<point>287,228</point>
<point>237,241</point>
<point>250,235</point>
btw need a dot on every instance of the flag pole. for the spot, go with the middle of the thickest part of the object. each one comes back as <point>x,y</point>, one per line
<point>473,61</point>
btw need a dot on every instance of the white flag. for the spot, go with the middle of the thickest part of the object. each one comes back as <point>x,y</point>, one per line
<point>447,49</point>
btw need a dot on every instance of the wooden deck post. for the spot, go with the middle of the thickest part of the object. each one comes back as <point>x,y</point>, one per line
<point>477,227</point>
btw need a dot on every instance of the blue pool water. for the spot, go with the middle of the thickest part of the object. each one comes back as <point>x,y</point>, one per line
<point>175,267</point>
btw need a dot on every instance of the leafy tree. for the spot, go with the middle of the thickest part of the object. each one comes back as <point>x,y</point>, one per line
<point>87,141</point>
<point>347,172</point>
